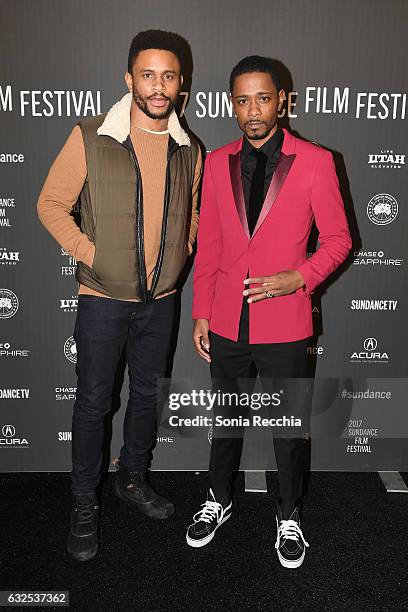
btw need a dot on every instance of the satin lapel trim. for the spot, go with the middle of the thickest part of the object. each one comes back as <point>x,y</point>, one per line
<point>279,177</point>
<point>236,183</point>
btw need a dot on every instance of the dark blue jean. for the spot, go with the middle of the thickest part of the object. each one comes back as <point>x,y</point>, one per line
<point>104,327</point>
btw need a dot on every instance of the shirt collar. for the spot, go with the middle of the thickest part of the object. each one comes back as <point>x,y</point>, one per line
<point>269,148</point>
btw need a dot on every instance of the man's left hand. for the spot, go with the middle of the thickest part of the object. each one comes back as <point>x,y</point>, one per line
<point>278,284</point>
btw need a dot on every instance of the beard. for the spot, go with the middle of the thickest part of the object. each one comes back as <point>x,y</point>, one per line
<point>141,102</point>
<point>257,135</point>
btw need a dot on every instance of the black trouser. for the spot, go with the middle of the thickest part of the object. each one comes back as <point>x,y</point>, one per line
<point>275,363</point>
<point>104,327</point>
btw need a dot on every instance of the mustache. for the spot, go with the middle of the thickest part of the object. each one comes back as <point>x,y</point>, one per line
<point>161,97</point>
<point>257,121</point>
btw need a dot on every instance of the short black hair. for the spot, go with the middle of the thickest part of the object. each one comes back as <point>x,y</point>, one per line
<point>158,39</point>
<point>256,63</point>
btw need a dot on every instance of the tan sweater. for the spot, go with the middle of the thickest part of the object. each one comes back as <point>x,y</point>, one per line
<point>65,181</point>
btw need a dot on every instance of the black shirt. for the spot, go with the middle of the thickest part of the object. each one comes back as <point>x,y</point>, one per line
<point>272,149</point>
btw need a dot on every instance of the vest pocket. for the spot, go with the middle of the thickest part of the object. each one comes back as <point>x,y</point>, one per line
<point>115,265</point>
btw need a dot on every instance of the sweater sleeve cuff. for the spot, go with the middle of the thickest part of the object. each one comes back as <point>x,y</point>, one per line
<point>85,252</point>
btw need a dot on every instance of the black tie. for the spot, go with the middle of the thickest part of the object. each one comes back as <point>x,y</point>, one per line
<point>256,196</point>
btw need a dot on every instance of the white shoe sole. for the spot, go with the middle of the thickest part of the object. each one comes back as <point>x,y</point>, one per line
<point>207,539</point>
<point>291,564</point>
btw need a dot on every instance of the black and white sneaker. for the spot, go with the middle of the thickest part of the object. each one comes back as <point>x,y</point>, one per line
<point>207,520</point>
<point>290,543</point>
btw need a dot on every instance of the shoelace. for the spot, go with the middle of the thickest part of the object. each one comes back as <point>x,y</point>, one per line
<point>209,512</point>
<point>85,512</point>
<point>137,480</point>
<point>137,476</point>
<point>289,530</point>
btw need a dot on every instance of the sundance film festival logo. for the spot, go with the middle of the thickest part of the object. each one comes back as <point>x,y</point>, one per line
<point>5,205</point>
<point>11,158</point>
<point>386,159</point>
<point>314,99</point>
<point>375,258</point>
<point>64,436</point>
<point>382,209</point>
<point>48,103</point>
<point>68,270</point>
<point>315,350</point>
<point>10,258</point>
<point>8,304</point>
<point>9,438</point>
<point>70,350</point>
<point>69,305</point>
<point>370,354</point>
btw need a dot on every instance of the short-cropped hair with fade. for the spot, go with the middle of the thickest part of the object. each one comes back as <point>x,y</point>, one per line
<point>256,63</point>
<point>158,39</point>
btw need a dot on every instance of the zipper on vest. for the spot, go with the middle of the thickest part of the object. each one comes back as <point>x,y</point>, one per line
<point>139,222</point>
<point>173,147</point>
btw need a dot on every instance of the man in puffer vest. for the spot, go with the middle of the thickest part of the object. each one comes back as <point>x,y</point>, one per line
<point>136,174</point>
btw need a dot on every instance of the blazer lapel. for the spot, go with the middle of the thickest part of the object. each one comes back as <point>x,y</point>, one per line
<point>236,183</point>
<point>279,177</point>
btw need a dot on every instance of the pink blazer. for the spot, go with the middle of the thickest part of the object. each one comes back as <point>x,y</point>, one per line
<point>304,188</point>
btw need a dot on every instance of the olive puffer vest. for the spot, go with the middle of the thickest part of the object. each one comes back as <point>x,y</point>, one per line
<point>111,207</point>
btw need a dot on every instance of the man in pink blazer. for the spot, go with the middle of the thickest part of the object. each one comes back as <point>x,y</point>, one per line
<point>253,280</point>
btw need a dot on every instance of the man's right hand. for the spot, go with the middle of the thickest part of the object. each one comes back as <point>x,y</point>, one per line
<point>90,255</point>
<point>200,338</point>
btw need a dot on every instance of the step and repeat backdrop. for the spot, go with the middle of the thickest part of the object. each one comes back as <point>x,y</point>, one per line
<point>343,67</point>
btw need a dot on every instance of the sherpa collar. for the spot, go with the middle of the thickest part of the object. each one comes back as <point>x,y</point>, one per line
<point>117,123</point>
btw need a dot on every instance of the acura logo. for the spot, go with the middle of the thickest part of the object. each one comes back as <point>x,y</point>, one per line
<point>8,431</point>
<point>370,344</point>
